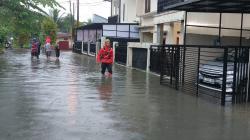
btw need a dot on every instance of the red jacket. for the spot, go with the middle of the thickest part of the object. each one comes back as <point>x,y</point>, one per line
<point>105,55</point>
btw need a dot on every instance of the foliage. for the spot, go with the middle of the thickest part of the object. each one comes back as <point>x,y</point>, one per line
<point>22,18</point>
<point>49,28</point>
<point>66,24</point>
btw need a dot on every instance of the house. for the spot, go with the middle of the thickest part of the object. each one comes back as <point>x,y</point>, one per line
<point>64,40</point>
<point>156,27</point>
<point>199,46</point>
<point>213,59</point>
<point>123,11</point>
<point>91,37</point>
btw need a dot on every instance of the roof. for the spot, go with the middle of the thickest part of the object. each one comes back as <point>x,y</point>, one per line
<point>63,35</point>
<point>98,26</point>
<point>91,26</point>
<point>226,6</point>
<point>99,19</point>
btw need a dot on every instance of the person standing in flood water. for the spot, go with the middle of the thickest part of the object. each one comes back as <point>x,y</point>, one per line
<point>48,50</point>
<point>57,50</point>
<point>105,56</point>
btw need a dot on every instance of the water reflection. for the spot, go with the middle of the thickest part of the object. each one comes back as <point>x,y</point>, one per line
<point>105,88</point>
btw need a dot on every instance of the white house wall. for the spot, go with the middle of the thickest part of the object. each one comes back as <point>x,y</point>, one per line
<point>140,7</point>
<point>115,7</point>
<point>130,11</point>
<point>171,16</point>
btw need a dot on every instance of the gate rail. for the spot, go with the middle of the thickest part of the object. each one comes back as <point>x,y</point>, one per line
<point>217,72</point>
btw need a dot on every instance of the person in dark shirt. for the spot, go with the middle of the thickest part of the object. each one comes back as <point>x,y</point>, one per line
<point>57,50</point>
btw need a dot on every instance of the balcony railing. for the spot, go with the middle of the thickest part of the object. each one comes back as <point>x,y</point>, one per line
<point>163,4</point>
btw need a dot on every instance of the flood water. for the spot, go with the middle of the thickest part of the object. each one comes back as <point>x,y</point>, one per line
<point>70,100</point>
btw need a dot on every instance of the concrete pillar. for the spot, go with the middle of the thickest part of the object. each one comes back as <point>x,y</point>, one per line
<point>97,48</point>
<point>170,34</point>
<point>103,41</point>
<point>148,59</point>
<point>129,57</point>
<point>159,33</point>
<point>182,33</point>
<point>114,47</point>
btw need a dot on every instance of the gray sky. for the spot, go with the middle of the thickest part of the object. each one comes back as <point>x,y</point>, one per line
<point>88,8</point>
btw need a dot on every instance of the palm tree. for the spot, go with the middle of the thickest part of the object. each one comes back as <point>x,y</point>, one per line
<point>56,17</point>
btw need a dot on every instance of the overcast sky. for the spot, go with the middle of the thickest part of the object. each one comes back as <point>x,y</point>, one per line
<point>88,8</point>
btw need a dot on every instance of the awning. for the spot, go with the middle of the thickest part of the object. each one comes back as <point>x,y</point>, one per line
<point>225,6</point>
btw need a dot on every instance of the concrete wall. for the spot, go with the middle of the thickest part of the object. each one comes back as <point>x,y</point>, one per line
<point>115,7</point>
<point>130,11</point>
<point>141,46</point>
<point>140,7</point>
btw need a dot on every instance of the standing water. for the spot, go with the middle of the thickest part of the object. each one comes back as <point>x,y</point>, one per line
<point>70,100</point>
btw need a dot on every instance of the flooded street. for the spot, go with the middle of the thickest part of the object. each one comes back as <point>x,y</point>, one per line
<point>70,100</point>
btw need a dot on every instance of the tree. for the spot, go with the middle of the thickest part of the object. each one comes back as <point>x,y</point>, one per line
<point>66,24</point>
<point>49,28</point>
<point>22,18</point>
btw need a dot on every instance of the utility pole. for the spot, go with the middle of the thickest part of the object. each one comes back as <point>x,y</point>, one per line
<point>71,15</point>
<point>73,30</point>
<point>78,13</point>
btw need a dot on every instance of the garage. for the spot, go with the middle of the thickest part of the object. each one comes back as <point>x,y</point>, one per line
<point>214,59</point>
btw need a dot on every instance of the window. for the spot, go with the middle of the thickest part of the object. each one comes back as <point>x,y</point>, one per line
<point>123,12</point>
<point>147,6</point>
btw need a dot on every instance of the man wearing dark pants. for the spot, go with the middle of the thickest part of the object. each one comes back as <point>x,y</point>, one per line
<point>105,56</point>
<point>106,66</point>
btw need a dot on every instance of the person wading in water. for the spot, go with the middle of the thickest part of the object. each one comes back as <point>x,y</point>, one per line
<point>105,56</point>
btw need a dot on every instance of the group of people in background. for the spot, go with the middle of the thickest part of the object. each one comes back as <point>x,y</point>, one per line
<point>36,47</point>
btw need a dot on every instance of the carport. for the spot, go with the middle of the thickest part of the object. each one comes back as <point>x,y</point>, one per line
<point>88,37</point>
<point>213,62</point>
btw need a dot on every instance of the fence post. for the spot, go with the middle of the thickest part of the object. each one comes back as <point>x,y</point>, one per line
<point>162,57</point>
<point>88,52</point>
<point>114,49</point>
<point>234,76</point>
<point>198,71</point>
<point>177,68</point>
<point>148,58</point>
<point>97,48</point>
<point>224,81</point>
<point>82,48</point>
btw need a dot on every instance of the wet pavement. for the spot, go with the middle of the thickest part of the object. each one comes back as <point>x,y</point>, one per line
<point>70,100</point>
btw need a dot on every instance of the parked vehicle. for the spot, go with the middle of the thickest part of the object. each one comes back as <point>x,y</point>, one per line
<point>211,74</point>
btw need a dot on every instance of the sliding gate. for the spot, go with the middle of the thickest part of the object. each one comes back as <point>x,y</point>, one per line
<point>220,73</point>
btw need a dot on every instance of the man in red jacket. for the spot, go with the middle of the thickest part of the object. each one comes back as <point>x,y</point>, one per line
<point>105,56</point>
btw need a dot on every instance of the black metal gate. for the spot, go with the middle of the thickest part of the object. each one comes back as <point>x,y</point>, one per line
<point>77,48</point>
<point>121,53</point>
<point>155,64</point>
<point>85,47</point>
<point>220,73</point>
<point>139,58</point>
<point>92,48</point>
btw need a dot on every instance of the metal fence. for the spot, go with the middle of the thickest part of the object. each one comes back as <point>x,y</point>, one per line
<point>77,48</point>
<point>92,49</point>
<point>219,73</point>
<point>85,47</point>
